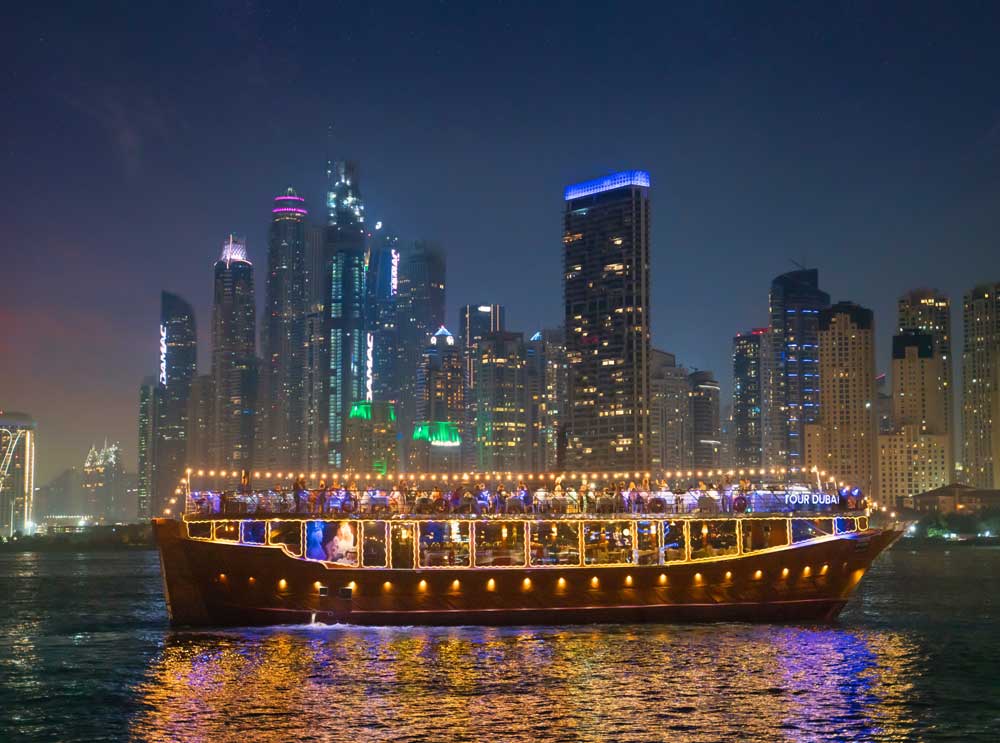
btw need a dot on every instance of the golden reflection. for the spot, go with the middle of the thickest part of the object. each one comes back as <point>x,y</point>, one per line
<point>340,683</point>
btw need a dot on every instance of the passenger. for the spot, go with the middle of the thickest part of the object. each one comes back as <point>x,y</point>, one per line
<point>500,498</point>
<point>526,499</point>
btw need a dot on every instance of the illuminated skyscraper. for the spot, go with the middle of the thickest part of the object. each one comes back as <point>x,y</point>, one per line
<point>104,484</point>
<point>149,401</point>
<point>502,434</point>
<point>178,365</point>
<point>371,437</point>
<point>792,380</point>
<point>437,434</point>
<point>419,313</point>
<point>546,356</point>
<point>17,473</point>
<point>234,357</point>
<point>848,444</point>
<point>475,322</point>
<point>706,433</point>
<point>283,441</point>
<point>606,293</point>
<point>380,315</point>
<point>914,454</point>
<point>670,413</point>
<point>749,350</point>
<point>981,386</point>
<point>929,311</point>
<point>344,258</point>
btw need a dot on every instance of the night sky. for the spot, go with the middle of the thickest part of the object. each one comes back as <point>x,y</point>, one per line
<point>862,139</point>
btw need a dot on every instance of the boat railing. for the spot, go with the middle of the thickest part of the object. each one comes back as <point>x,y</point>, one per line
<point>397,504</point>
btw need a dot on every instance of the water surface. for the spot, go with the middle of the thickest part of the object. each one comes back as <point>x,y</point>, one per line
<point>86,655</point>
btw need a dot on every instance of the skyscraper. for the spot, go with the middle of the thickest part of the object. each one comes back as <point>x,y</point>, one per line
<point>606,293</point>
<point>706,433</point>
<point>419,313</point>
<point>104,484</point>
<point>749,352</point>
<point>848,426</point>
<point>914,454</point>
<point>344,258</point>
<point>380,315</point>
<point>502,434</point>
<point>371,437</point>
<point>793,382</point>
<point>289,299</point>
<point>17,473</point>
<point>436,437</point>
<point>149,401</point>
<point>475,322</point>
<point>929,311</point>
<point>670,417</point>
<point>980,384</point>
<point>546,357</point>
<point>234,357</point>
<point>178,366</point>
<point>202,422</point>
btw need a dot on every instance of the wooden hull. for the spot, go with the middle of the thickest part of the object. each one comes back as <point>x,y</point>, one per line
<point>219,584</point>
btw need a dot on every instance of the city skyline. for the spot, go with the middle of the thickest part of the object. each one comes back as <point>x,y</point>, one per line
<point>732,206</point>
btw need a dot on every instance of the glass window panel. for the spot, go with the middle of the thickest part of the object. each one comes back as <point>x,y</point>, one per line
<point>863,523</point>
<point>646,543</point>
<point>200,529</point>
<point>499,543</point>
<point>762,534</point>
<point>803,529</point>
<point>555,543</point>
<point>228,531</point>
<point>255,532</point>
<point>844,524</point>
<point>674,543</point>
<point>607,542</point>
<point>332,541</point>
<point>401,544</point>
<point>444,544</point>
<point>373,553</point>
<point>288,533</point>
<point>712,539</point>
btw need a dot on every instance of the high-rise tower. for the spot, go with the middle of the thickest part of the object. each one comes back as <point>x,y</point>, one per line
<point>344,258</point>
<point>17,473</point>
<point>419,313</point>
<point>437,435</point>
<point>929,311</point>
<point>792,381</point>
<point>502,435</point>
<point>234,357</point>
<point>705,430</point>
<point>178,366</point>
<point>283,440</point>
<point>981,386</point>
<point>749,350</point>
<point>606,293</point>
<point>848,428</point>
<point>149,402</point>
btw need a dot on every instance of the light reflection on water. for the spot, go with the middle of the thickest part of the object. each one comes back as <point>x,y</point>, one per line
<point>620,683</point>
<point>85,655</point>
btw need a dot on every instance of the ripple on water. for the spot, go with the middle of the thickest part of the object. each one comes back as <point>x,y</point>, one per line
<point>85,654</point>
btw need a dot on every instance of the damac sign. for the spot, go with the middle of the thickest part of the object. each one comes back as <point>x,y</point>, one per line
<point>163,355</point>
<point>394,274</point>
<point>811,499</point>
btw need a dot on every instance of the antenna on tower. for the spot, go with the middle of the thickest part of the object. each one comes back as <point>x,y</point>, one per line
<point>796,264</point>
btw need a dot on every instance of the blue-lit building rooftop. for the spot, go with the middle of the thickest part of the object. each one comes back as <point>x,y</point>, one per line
<point>607,183</point>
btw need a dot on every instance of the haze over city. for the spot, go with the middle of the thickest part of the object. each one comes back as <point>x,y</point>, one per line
<point>866,147</point>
